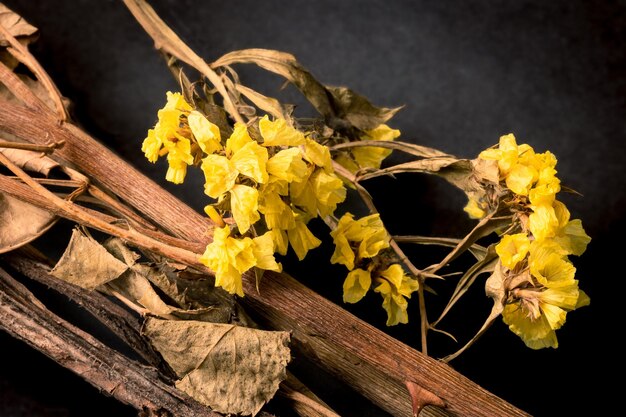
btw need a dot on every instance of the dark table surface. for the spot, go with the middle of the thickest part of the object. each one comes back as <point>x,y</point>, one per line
<point>553,73</point>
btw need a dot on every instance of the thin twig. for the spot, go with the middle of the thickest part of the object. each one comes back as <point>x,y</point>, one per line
<point>46,149</point>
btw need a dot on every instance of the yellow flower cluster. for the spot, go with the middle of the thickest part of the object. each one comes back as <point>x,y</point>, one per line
<point>275,184</point>
<point>540,282</point>
<point>368,157</point>
<point>357,243</point>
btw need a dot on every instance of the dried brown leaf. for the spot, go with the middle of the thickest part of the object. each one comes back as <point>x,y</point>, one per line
<point>87,264</point>
<point>267,104</point>
<point>409,148</point>
<point>232,369</point>
<point>24,32</point>
<point>15,24</point>
<point>21,223</point>
<point>357,110</point>
<point>341,107</point>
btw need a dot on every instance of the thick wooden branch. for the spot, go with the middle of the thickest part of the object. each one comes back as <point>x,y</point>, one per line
<point>372,362</point>
<point>26,318</point>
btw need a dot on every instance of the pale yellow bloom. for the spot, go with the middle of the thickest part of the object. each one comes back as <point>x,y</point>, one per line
<point>263,250</point>
<point>328,190</point>
<point>475,209</point>
<point>506,154</point>
<point>368,232</point>
<point>238,139</point>
<point>570,236</point>
<point>176,101</point>
<point>318,154</point>
<point>281,241</point>
<point>372,157</point>
<point>343,253</point>
<point>301,239</point>
<point>151,146</point>
<point>206,133</point>
<point>548,263</point>
<point>521,178</point>
<point>356,285</point>
<point>395,288</point>
<point>302,194</point>
<point>287,165</point>
<point>244,204</point>
<point>250,160</point>
<point>176,171</point>
<point>279,133</point>
<point>512,249</point>
<point>219,175</point>
<point>278,214</point>
<point>542,222</point>
<point>229,258</point>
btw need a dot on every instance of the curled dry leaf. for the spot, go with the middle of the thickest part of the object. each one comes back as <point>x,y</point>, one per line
<point>87,264</point>
<point>340,106</point>
<point>17,26</point>
<point>234,370</point>
<point>20,222</point>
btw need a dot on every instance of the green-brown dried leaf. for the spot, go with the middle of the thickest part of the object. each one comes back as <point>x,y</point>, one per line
<point>87,264</point>
<point>234,370</point>
<point>357,110</point>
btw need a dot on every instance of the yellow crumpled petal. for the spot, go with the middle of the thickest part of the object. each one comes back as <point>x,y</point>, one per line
<point>302,194</point>
<point>573,238</point>
<point>238,139</point>
<point>278,214</point>
<point>318,154</point>
<point>343,253</point>
<point>542,222</point>
<point>176,101</point>
<point>263,250</point>
<point>328,190</point>
<point>287,165</point>
<point>250,160</point>
<point>549,265</point>
<point>512,249</point>
<point>176,171</point>
<point>244,204</point>
<point>520,179</point>
<point>394,304</point>
<point>281,241</point>
<point>356,285</point>
<point>536,334</point>
<point>151,146</point>
<point>279,133</point>
<point>302,240</point>
<point>371,157</point>
<point>206,133</point>
<point>219,175</point>
<point>474,209</point>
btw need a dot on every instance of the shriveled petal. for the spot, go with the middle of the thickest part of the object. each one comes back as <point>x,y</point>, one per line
<point>520,179</point>
<point>151,146</point>
<point>219,175</point>
<point>263,250</point>
<point>302,240</point>
<point>250,160</point>
<point>543,222</point>
<point>287,165</point>
<point>343,253</point>
<point>512,249</point>
<point>573,238</point>
<point>238,139</point>
<point>318,154</point>
<point>328,191</point>
<point>176,171</point>
<point>244,203</point>
<point>356,285</point>
<point>279,133</point>
<point>278,214</point>
<point>176,101</point>
<point>536,333</point>
<point>207,134</point>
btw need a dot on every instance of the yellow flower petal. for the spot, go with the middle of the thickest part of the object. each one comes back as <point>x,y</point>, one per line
<point>176,171</point>
<point>302,194</point>
<point>343,253</point>
<point>536,333</point>
<point>318,154</point>
<point>520,178</point>
<point>543,222</point>
<point>263,250</point>
<point>219,175</point>
<point>250,160</point>
<point>512,249</point>
<point>474,209</point>
<point>287,165</point>
<point>238,139</point>
<point>356,285</point>
<point>278,214</point>
<point>244,204</point>
<point>573,238</point>
<point>279,133</point>
<point>548,264</point>
<point>371,157</point>
<point>394,304</point>
<point>281,241</point>
<point>176,101</point>
<point>302,240</point>
<point>328,191</point>
<point>206,133</point>
<point>151,146</point>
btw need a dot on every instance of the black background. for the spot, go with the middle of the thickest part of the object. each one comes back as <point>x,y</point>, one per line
<point>468,72</point>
